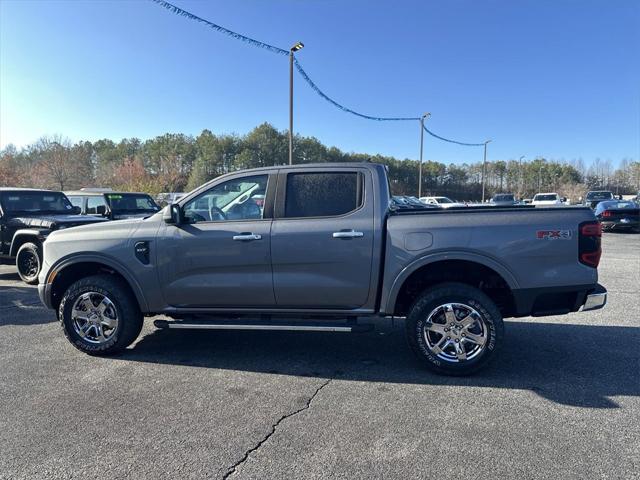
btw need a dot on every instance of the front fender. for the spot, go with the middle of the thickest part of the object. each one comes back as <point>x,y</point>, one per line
<point>389,302</point>
<point>107,261</point>
<point>38,234</point>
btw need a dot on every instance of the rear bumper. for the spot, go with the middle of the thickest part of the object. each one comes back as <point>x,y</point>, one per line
<point>541,302</point>
<point>618,224</point>
<point>595,300</point>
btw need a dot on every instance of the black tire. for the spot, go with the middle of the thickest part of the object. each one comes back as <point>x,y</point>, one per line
<point>129,317</point>
<point>487,321</point>
<point>29,262</point>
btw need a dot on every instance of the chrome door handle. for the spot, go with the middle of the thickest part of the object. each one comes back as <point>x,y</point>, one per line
<point>347,234</point>
<point>247,237</point>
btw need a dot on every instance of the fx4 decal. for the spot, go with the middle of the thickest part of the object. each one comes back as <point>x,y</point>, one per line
<point>553,234</point>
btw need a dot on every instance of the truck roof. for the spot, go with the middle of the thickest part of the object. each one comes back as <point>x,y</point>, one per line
<point>94,193</point>
<point>24,189</point>
<point>316,165</point>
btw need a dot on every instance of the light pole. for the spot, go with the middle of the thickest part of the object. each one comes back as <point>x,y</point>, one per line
<point>295,48</point>
<point>426,115</point>
<point>540,177</point>
<point>484,167</point>
<point>521,176</point>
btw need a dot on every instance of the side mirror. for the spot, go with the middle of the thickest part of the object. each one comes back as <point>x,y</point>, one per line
<point>564,199</point>
<point>173,214</point>
<point>101,210</point>
<point>76,210</point>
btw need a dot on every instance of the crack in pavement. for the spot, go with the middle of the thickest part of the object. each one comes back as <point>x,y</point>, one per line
<point>235,466</point>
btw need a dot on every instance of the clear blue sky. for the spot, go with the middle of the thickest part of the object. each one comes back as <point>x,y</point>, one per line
<point>553,78</point>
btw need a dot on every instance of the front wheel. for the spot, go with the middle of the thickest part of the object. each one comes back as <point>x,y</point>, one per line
<point>29,262</point>
<point>99,315</point>
<point>455,329</point>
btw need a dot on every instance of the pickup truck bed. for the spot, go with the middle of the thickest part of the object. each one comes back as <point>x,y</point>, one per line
<point>544,275</point>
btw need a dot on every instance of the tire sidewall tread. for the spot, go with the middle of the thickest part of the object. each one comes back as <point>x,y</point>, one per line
<point>129,316</point>
<point>452,293</point>
<point>36,249</point>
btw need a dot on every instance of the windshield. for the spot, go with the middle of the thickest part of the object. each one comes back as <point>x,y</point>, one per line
<point>444,200</point>
<point>131,202</point>
<point>503,198</point>
<point>616,205</point>
<point>41,202</point>
<point>545,198</point>
<point>599,196</point>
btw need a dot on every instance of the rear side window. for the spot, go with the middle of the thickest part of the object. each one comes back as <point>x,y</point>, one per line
<point>75,201</point>
<point>93,203</point>
<point>322,194</point>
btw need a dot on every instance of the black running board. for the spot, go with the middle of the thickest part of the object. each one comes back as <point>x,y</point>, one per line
<point>291,327</point>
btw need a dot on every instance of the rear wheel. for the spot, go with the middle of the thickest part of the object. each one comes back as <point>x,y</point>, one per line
<point>455,329</point>
<point>29,262</point>
<point>99,315</point>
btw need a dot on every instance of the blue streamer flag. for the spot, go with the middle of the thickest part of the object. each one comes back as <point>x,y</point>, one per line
<point>452,141</point>
<point>238,36</point>
<point>342,107</point>
<point>280,51</point>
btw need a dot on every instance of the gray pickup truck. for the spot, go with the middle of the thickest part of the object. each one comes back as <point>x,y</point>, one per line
<point>323,248</point>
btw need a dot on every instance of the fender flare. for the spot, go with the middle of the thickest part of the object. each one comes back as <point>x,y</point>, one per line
<point>434,257</point>
<point>109,262</point>
<point>38,233</point>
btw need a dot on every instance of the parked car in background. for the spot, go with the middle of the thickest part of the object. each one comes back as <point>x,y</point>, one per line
<point>443,202</point>
<point>593,198</point>
<point>547,199</point>
<point>327,251</point>
<point>404,201</point>
<point>27,216</point>
<point>167,198</point>
<point>618,215</point>
<point>504,199</point>
<point>113,205</point>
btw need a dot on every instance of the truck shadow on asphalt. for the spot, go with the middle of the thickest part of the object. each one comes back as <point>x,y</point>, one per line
<point>576,365</point>
<point>21,306</point>
<point>10,276</point>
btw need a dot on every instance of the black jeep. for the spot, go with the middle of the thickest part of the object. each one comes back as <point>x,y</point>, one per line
<point>27,216</point>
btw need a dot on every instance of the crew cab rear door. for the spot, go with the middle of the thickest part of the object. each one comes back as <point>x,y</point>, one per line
<point>322,238</point>
<point>221,255</point>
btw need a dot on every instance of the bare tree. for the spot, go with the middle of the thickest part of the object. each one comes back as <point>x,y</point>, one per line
<point>56,164</point>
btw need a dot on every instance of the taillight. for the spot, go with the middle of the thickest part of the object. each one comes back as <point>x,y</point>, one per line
<point>607,213</point>
<point>589,246</point>
<point>591,229</point>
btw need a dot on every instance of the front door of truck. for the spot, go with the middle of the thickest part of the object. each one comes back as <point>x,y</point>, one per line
<point>322,238</point>
<point>221,255</point>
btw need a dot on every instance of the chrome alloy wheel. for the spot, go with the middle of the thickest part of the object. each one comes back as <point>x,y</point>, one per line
<point>94,317</point>
<point>455,332</point>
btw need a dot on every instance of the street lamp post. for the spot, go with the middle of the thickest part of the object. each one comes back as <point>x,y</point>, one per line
<point>521,176</point>
<point>421,144</point>
<point>295,48</point>
<point>484,168</point>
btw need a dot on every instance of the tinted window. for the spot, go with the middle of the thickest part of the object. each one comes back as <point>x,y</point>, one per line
<point>322,194</point>
<point>93,203</point>
<point>503,198</point>
<point>237,199</point>
<point>616,205</point>
<point>131,202</point>
<point>545,198</point>
<point>599,195</point>
<point>34,201</point>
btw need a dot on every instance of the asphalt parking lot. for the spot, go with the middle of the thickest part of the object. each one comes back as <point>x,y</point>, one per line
<point>563,399</point>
